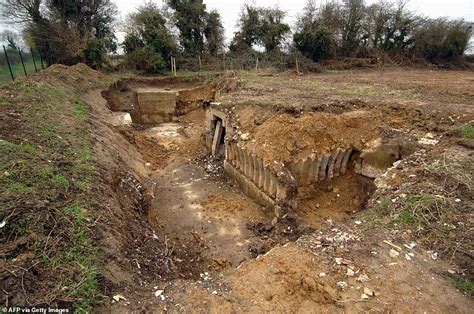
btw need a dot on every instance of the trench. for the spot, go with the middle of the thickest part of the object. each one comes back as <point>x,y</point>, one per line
<point>219,199</point>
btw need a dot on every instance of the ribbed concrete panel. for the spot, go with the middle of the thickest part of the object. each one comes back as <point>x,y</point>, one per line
<point>266,186</point>
<point>251,166</point>
<point>337,165</point>
<point>315,168</point>
<point>241,158</point>
<point>323,167</point>
<point>332,162</point>
<point>261,171</point>
<point>246,163</point>
<point>345,160</point>
<point>256,173</point>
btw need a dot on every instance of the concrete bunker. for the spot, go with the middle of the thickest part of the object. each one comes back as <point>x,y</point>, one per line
<point>216,123</point>
<point>151,101</point>
<point>308,170</point>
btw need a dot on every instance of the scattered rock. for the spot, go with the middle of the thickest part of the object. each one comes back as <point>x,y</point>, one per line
<point>427,141</point>
<point>245,137</point>
<point>369,292</point>
<point>274,221</point>
<point>119,297</point>
<point>363,278</point>
<point>393,253</point>
<point>350,272</point>
<point>342,284</point>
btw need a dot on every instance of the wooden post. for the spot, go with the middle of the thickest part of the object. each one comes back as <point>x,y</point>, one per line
<point>297,67</point>
<point>174,62</point>
<point>223,60</point>
<point>171,63</point>
<point>8,62</point>
<point>256,66</point>
<point>200,65</point>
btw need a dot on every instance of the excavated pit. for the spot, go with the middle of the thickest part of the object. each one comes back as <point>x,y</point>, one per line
<point>151,101</point>
<point>321,162</point>
<point>233,180</point>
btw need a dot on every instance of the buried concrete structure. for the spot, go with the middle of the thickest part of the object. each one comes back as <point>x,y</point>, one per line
<point>152,101</point>
<point>279,184</point>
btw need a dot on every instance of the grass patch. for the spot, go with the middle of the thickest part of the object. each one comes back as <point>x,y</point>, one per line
<point>17,70</point>
<point>46,172</point>
<point>465,285</point>
<point>465,130</point>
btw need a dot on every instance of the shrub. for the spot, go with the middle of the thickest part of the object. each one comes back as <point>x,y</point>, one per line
<point>146,60</point>
<point>315,42</point>
<point>442,40</point>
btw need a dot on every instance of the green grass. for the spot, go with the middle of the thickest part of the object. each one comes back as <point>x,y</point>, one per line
<point>465,285</point>
<point>49,161</point>
<point>465,130</point>
<point>18,71</point>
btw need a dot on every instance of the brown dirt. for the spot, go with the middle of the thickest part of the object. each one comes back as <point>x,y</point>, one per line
<point>335,200</point>
<point>181,226</point>
<point>284,138</point>
<point>288,276</point>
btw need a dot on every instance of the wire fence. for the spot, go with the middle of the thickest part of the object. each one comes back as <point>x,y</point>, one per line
<point>15,62</point>
<point>248,61</point>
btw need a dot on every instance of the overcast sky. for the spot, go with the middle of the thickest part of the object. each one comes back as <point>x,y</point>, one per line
<point>229,9</point>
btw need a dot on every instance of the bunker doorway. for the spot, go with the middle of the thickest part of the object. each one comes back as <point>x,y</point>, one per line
<point>218,138</point>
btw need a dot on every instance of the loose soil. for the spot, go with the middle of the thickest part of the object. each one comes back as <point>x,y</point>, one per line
<point>175,233</point>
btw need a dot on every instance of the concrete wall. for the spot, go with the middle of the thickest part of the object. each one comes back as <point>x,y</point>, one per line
<point>254,176</point>
<point>155,107</point>
<point>158,106</point>
<point>319,168</point>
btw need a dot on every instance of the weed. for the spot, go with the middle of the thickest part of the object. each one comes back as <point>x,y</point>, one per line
<point>465,130</point>
<point>60,182</point>
<point>80,110</point>
<point>465,285</point>
<point>384,205</point>
<point>18,187</point>
<point>450,166</point>
<point>76,211</point>
<point>30,149</point>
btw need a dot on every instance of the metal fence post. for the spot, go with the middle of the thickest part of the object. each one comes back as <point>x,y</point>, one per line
<point>41,59</point>
<point>23,63</point>
<point>8,62</point>
<point>33,57</point>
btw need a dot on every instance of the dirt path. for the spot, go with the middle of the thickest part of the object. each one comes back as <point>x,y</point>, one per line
<point>190,206</point>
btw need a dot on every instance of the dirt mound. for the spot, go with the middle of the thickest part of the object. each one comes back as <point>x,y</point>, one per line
<point>79,77</point>
<point>284,137</point>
